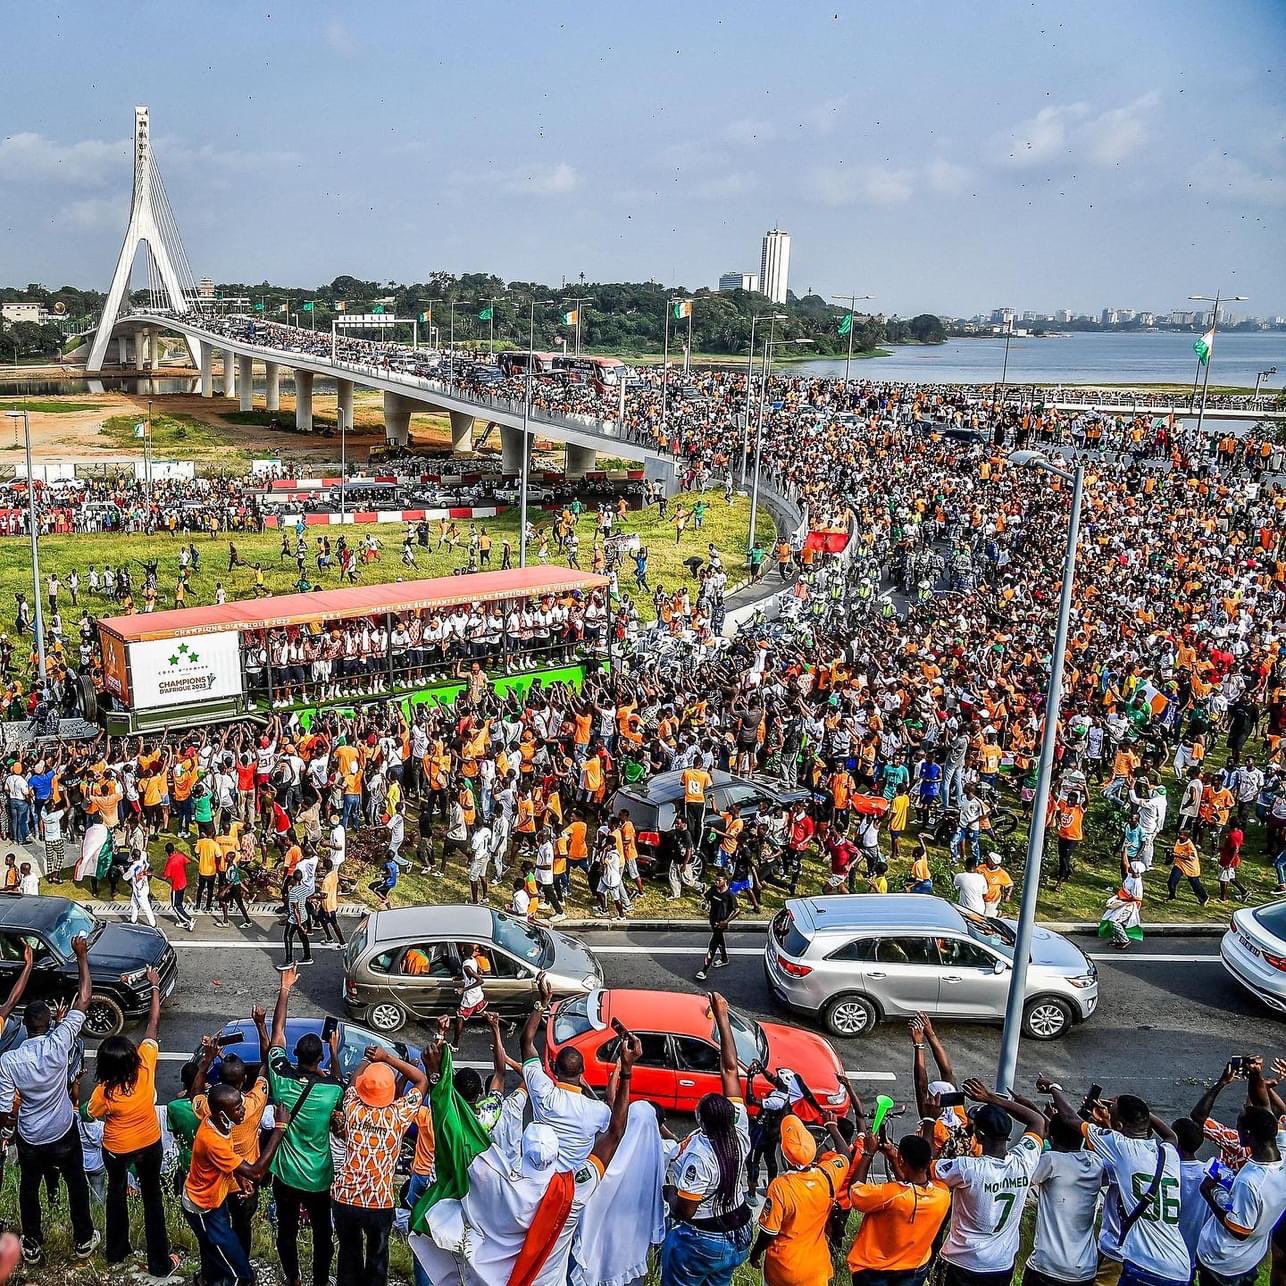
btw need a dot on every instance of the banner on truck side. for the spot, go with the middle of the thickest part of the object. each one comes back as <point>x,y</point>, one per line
<point>171,672</point>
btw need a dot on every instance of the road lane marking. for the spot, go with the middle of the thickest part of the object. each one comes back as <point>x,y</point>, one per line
<point>1126,956</point>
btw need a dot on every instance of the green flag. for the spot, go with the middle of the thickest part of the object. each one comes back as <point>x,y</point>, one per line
<point>846,323</point>
<point>377,308</point>
<point>259,306</point>
<point>485,314</point>
<point>307,305</point>
<point>1205,346</point>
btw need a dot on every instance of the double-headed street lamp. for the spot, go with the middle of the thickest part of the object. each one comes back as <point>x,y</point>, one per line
<point>750,379</point>
<point>38,619</point>
<point>851,301</point>
<point>1259,378</point>
<point>526,413</point>
<point>1217,299</point>
<point>1016,1003</point>
<point>769,345</point>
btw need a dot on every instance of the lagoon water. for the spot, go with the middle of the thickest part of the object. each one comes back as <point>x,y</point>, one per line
<point>1154,357</point>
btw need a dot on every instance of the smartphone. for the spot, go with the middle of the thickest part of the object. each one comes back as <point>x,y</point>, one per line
<point>951,1100</point>
<point>620,1029</point>
<point>229,1038</point>
<point>1237,1064</point>
<point>329,1028</point>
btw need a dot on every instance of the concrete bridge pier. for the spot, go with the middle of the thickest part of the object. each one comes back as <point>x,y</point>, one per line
<point>122,350</point>
<point>580,460</point>
<point>205,359</point>
<point>229,373</point>
<point>511,452</point>
<point>139,339</point>
<point>461,433</point>
<point>272,380</point>
<point>304,401</point>
<point>344,400</point>
<point>397,418</point>
<point>245,382</point>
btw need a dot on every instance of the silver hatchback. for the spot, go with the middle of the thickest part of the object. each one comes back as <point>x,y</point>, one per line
<point>853,960</point>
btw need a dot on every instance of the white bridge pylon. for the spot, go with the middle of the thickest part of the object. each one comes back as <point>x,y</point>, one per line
<point>151,224</point>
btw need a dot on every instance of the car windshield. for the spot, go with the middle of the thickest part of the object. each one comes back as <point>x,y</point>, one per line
<point>1273,918</point>
<point>526,941</point>
<point>352,1047</point>
<point>751,1043</point>
<point>990,932</point>
<point>74,922</point>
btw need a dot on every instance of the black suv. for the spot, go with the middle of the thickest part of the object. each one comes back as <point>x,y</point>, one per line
<point>119,957</point>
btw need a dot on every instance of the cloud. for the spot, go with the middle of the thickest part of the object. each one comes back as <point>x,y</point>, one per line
<point>1229,178</point>
<point>947,177</point>
<point>748,133</point>
<point>555,180</point>
<point>1113,135</point>
<point>723,187</point>
<point>339,39</point>
<point>1074,133</point>
<point>26,157</point>
<point>95,213</point>
<point>826,115</point>
<point>177,154</point>
<point>861,185</point>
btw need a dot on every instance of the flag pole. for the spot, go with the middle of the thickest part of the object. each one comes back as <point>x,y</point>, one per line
<point>687,352</point>
<point>665,364</point>
<point>1205,383</point>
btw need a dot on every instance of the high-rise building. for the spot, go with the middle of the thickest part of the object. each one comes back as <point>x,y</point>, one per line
<point>774,265</point>
<point>1063,315</point>
<point>738,281</point>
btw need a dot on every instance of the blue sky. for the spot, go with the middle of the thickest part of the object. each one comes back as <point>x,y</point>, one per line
<point>939,156</point>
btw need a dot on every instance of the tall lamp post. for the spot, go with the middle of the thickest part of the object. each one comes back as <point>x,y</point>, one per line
<point>38,616</point>
<point>526,414</point>
<point>1259,378</point>
<point>1217,299</point>
<point>343,461</point>
<point>769,345</point>
<point>750,379</point>
<point>1014,1006</point>
<point>851,301</point>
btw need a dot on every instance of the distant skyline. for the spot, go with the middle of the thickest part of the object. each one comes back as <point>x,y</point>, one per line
<point>940,158</point>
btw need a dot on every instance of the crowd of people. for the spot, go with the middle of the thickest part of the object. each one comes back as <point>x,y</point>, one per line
<point>531,1176</point>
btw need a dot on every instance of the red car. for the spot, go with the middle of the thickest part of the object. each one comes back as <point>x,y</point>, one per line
<point>680,1061</point>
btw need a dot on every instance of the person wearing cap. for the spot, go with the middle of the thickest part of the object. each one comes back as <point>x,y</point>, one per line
<point>988,1190</point>
<point>364,1195</point>
<point>900,1218</point>
<point>792,1243</point>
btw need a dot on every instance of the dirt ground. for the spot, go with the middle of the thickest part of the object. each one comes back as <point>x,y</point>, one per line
<point>75,435</point>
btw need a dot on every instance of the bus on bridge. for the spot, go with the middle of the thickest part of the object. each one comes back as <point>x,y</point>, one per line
<point>415,641</point>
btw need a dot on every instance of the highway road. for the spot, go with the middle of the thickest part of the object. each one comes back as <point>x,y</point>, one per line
<point>1168,1020</point>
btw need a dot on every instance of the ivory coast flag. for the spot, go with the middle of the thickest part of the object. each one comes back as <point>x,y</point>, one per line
<point>341,305</point>
<point>682,309</point>
<point>1205,346</point>
<point>471,1179</point>
<point>571,317</point>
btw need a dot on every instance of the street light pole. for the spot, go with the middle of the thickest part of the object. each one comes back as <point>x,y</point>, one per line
<point>451,344</point>
<point>851,301</point>
<point>1259,377</point>
<point>38,616</point>
<point>750,379</point>
<point>343,461</point>
<point>147,452</point>
<point>769,345</point>
<point>526,415</point>
<point>1014,1006</point>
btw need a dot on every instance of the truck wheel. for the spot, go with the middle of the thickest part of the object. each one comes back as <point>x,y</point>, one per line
<point>103,1017</point>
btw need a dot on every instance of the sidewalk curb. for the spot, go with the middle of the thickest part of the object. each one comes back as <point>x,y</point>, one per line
<point>596,924</point>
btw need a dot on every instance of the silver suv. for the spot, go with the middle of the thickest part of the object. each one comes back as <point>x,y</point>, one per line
<point>852,960</point>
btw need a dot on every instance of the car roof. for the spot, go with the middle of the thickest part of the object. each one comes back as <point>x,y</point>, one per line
<point>846,912</point>
<point>668,786</point>
<point>466,923</point>
<point>678,1012</point>
<point>33,913</point>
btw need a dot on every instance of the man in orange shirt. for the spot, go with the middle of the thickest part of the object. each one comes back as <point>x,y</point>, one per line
<point>1069,813</point>
<point>900,1219</point>
<point>792,1243</point>
<point>218,1170</point>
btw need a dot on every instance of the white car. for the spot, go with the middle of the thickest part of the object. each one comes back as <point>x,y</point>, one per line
<point>1254,952</point>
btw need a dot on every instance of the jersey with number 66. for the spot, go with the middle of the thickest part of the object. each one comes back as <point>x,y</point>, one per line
<point>987,1196</point>
<point>1155,1242</point>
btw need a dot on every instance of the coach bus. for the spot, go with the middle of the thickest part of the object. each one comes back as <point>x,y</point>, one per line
<point>603,372</point>
<point>513,361</point>
<point>412,640</point>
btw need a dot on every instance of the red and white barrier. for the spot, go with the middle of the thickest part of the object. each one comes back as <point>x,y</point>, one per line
<point>366,516</point>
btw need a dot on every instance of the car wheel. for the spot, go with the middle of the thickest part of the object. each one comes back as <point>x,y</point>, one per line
<point>103,1017</point>
<point>850,1016</point>
<point>386,1016</point>
<point>1047,1018</point>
